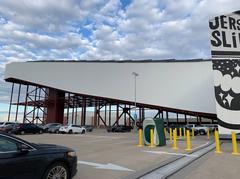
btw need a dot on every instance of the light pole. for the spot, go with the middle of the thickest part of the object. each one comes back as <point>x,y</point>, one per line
<point>135,96</point>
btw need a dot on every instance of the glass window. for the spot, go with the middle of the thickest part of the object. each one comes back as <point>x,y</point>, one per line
<point>7,145</point>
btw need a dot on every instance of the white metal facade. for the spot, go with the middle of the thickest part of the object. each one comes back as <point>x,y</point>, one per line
<point>186,85</point>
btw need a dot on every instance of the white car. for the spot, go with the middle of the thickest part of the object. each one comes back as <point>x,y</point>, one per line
<point>202,130</point>
<point>4,124</point>
<point>71,129</point>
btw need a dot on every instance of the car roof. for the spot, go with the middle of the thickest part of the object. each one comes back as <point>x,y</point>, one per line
<point>14,137</point>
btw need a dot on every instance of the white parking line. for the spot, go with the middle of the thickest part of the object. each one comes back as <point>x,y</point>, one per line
<point>108,166</point>
<point>201,146</point>
<point>91,136</point>
<point>125,142</point>
<point>170,153</point>
<point>97,140</point>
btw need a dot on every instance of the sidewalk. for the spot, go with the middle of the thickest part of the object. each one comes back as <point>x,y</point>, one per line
<point>213,166</point>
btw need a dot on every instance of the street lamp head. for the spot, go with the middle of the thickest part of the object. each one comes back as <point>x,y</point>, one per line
<point>135,74</point>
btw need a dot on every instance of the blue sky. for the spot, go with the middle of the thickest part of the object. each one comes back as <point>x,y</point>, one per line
<point>104,29</point>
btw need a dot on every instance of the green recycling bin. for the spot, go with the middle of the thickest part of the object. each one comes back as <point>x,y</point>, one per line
<point>159,136</point>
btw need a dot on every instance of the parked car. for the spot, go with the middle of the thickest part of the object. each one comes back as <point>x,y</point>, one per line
<point>54,129</point>
<point>201,129</point>
<point>70,129</point>
<point>40,125</point>
<point>20,159</point>
<point>192,126</point>
<point>88,128</point>
<point>8,128</point>
<point>4,124</point>
<point>211,127</point>
<point>47,126</point>
<point>175,126</point>
<point>120,128</point>
<point>27,128</point>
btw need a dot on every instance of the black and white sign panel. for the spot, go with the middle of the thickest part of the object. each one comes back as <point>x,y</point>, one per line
<point>225,49</point>
<point>225,35</point>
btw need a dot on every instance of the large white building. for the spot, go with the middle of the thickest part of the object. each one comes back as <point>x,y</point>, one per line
<point>183,87</point>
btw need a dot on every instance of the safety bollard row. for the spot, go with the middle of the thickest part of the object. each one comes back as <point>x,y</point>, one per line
<point>175,139</point>
<point>186,133</point>
<point>234,144</point>
<point>180,133</point>
<point>170,134</point>
<point>217,143</point>
<point>188,141</point>
<point>208,133</point>
<point>140,143</point>
<point>193,135</point>
<point>152,138</point>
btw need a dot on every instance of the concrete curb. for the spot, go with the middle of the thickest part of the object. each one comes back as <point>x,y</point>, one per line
<point>152,172</point>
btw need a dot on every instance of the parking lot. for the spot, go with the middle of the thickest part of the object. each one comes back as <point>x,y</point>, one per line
<point>105,155</point>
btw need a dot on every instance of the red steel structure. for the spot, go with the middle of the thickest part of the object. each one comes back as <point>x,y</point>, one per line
<point>46,105</point>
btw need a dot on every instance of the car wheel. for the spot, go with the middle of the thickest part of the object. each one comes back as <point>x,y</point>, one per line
<point>83,132</point>
<point>70,132</point>
<point>57,170</point>
<point>40,132</point>
<point>22,132</point>
<point>57,131</point>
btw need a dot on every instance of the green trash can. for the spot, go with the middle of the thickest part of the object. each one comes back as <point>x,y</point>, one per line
<point>159,136</point>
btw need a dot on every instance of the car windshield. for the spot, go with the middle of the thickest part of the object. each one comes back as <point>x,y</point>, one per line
<point>1,123</point>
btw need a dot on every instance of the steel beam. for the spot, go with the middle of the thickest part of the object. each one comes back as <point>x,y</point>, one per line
<point>19,91</point>
<point>10,104</point>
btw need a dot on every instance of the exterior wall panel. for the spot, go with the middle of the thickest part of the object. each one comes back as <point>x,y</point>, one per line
<point>180,85</point>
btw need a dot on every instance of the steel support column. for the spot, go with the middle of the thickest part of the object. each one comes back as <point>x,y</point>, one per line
<point>10,104</point>
<point>19,91</point>
<point>167,118</point>
<point>25,106</point>
<point>117,115</point>
<point>110,115</point>
<point>55,106</point>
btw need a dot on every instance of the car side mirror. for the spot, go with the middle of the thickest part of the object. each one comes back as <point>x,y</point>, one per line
<point>23,149</point>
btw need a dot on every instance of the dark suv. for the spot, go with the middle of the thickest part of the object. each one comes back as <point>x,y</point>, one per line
<point>20,159</point>
<point>27,128</point>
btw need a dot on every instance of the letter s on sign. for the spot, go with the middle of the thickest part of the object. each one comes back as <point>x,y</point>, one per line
<point>217,42</point>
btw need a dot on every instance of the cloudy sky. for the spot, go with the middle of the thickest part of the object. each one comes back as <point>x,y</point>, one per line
<point>105,29</point>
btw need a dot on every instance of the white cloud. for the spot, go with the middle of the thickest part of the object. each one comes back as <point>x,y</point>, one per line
<point>102,29</point>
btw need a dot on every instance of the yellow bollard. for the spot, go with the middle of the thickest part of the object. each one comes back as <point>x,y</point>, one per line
<point>184,132</point>
<point>234,144</point>
<point>151,138</point>
<point>188,141</point>
<point>218,150</point>
<point>193,133</point>
<point>180,132</point>
<point>208,133</point>
<point>170,133</point>
<point>165,131</point>
<point>140,143</point>
<point>175,139</point>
